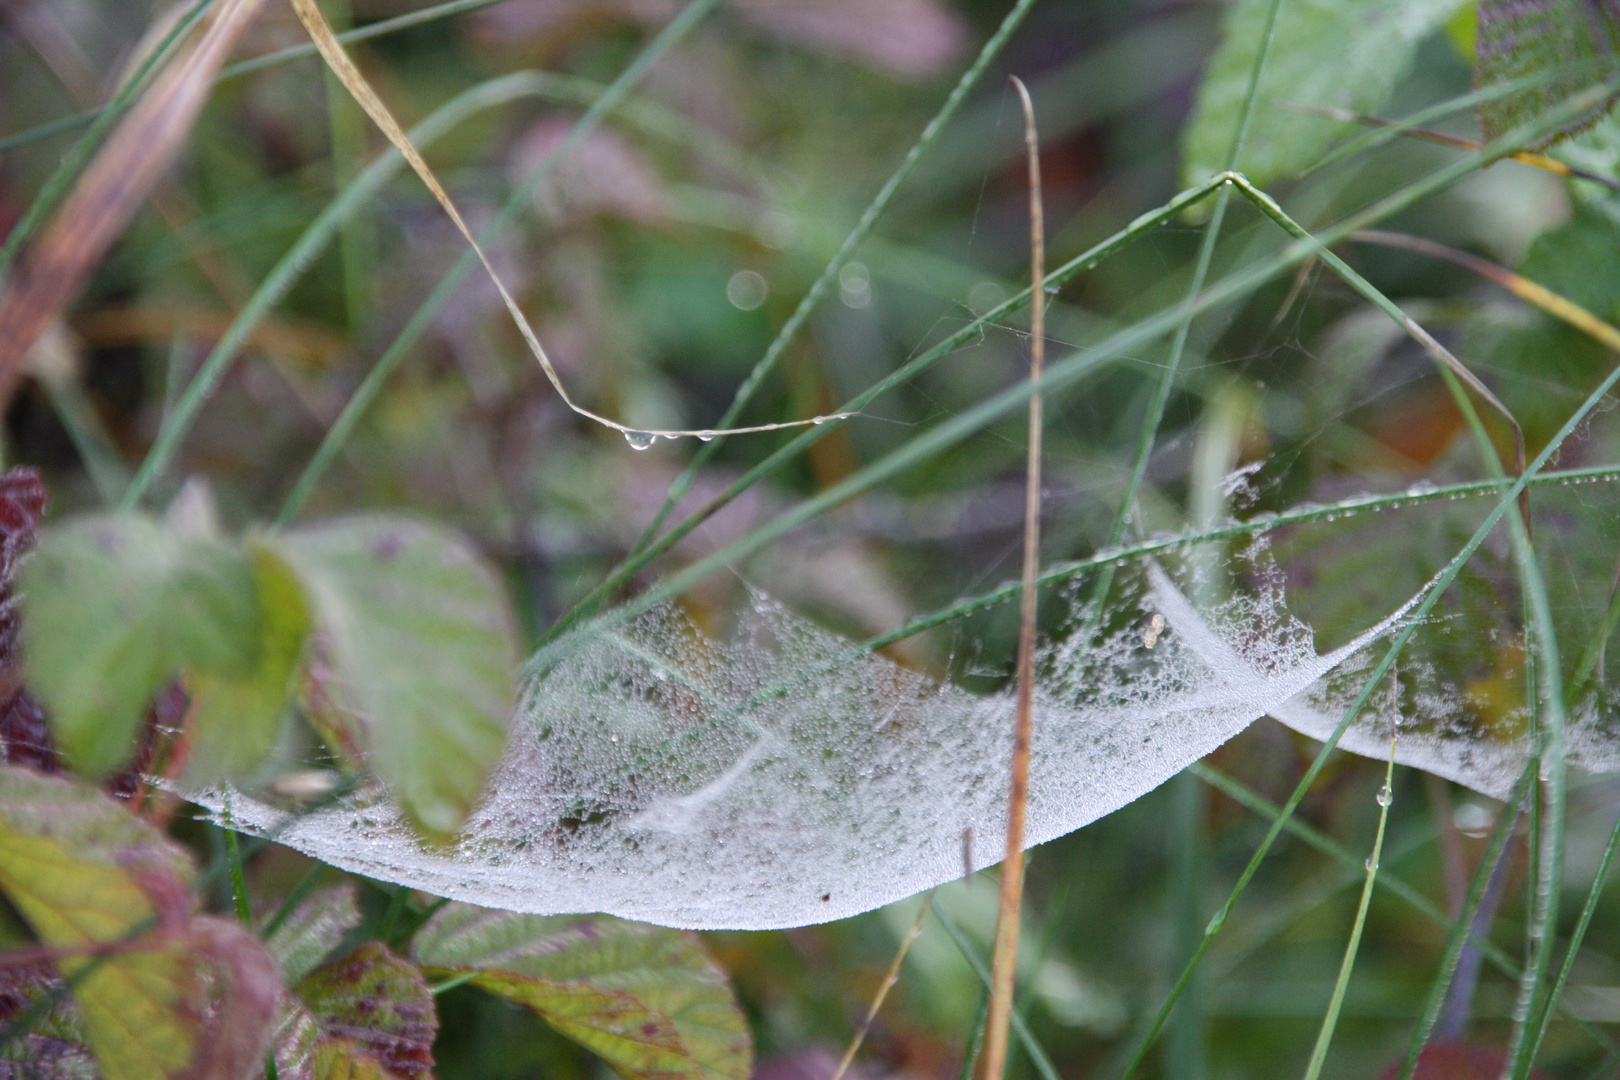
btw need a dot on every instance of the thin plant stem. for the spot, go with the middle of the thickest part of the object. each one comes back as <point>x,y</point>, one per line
<point>890,977</point>
<point>233,853</point>
<point>1324,1037</point>
<point>1004,960</point>
<point>1575,939</point>
<point>1037,1055</point>
<point>294,898</point>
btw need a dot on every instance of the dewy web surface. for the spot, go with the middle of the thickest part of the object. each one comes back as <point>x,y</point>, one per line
<point>786,777</point>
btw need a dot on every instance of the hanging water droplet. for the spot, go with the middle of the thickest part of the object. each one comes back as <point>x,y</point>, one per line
<point>1385,796</point>
<point>818,420</point>
<point>705,436</point>
<point>640,440</point>
<point>1370,865</point>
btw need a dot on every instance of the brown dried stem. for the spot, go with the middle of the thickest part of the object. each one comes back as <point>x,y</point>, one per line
<point>1004,963</point>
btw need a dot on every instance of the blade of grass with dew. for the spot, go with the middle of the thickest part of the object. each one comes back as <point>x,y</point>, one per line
<point>812,297</point>
<point>1554,999</point>
<point>1442,581</point>
<point>1331,1021</point>
<point>309,13</point>
<point>1534,587</point>
<point>428,309</point>
<point>1070,369</point>
<point>1004,958</point>
<point>1457,929</point>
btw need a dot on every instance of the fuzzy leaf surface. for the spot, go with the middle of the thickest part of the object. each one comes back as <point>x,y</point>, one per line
<point>374,1012</point>
<point>1571,42</point>
<point>114,605</point>
<point>648,1000</point>
<point>1341,54</point>
<point>422,649</point>
<point>313,929</point>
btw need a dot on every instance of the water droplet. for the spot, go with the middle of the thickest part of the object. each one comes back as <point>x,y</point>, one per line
<point>1370,865</point>
<point>705,436</point>
<point>1385,796</point>
<point>1052,290</point>
<point>818,420</point>
<point>640,440</point>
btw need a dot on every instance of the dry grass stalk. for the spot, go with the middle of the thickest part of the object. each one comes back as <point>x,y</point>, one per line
<point>125,170</point>
<point>1005,961</point>
<point>320,32</point>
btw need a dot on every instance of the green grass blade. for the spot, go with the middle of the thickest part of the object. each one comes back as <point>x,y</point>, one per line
<point>1329,1022</point>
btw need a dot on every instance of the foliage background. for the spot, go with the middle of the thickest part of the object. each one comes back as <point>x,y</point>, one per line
<point>658,265</point>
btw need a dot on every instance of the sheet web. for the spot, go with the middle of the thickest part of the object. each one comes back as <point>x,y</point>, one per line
<point>785,776</point>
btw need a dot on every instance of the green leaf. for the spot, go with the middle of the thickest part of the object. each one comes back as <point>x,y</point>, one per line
<point>313,928</point>
<point>178,993</point>
<point>114,605</point>
<point>422,650</point>
<point>372,1005</point>
<point>1571,41</point>
<point>236,718</point>
<point>1339,54</point>
<point>648,1000</point>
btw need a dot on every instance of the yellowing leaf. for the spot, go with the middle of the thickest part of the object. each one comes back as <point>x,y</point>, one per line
<point>236,719</point>
<point>647,999</point>
<point>162,994</point>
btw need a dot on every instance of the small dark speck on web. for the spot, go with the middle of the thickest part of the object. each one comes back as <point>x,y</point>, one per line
<point>386,548</point>
<point>826,897</point>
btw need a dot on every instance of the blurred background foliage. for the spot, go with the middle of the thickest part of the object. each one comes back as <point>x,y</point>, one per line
<point>658,263</point>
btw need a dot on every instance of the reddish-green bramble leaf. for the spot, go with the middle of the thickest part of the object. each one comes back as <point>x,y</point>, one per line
<point>422,652</point>
<point>375,1014</point>
<point>161,993</point>
<point>648,1000</point>
<point>312,929</point>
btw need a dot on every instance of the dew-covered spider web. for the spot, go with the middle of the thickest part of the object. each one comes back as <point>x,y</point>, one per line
<point>785,776</point>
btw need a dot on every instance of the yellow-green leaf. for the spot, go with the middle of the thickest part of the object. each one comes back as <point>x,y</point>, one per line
<point>236,718</point>
<point>648,1000</point>
<point>1339,54</point>
<point>162,993</point>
